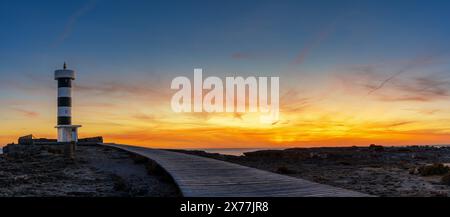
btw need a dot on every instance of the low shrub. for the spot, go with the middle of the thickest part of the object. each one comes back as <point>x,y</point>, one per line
<point>154,169</point>
<point>138,159</point>
<point>119,183</point>
<point>446,179</point>
<point>285,170</point>
<point>376,147</point>
<point>434,169</point>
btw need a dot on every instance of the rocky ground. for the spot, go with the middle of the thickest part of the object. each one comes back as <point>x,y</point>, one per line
<point>96,171</point>
<point>376,170</point>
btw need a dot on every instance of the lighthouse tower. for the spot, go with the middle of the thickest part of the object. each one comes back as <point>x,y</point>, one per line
<point>66,131</point>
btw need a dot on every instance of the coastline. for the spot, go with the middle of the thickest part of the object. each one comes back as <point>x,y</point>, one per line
<point>230,151</point>
<point>242,151</point>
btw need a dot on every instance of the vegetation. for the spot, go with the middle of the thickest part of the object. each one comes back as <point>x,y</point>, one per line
<point>376,147</point>
<point>285,170</point>
<point>154,169</point>
<point>446,179</point>
<point>138,159</point>
<point>434,169</point>
<point>119,183</point>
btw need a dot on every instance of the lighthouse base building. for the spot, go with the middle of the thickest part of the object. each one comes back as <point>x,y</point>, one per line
<point>66,131</point>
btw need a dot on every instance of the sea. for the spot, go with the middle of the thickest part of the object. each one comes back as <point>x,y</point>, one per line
<point>234,151</point>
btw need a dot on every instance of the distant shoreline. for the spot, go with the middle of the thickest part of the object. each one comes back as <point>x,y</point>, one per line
<point>375,170</point>
<point>232,151</point>
<point>241,151</point>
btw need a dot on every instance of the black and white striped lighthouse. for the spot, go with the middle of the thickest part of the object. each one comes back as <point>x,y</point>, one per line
<point>66,131</point>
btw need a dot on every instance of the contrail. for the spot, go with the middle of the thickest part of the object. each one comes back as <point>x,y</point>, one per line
<point>316,42</point>
<point>413,64</point>
<point>88,6</point>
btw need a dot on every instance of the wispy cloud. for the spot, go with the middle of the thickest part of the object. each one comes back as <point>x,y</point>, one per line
<point>420,89</point>
<point>121,89</point>
<point>315,42</point>
<point>73,19</point>
<point>26,113</point>
<point>241,55</point>
<point>293,101</point>
<point>251,55</point>
<point>425,111</point>
<point>415,63</point>
<point>398,123</point>
<point>421,81</point>
<point>238,115</point>
<point>144,117</point>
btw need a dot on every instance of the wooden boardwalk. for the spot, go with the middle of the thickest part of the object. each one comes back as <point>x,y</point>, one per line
<point>204,177</point>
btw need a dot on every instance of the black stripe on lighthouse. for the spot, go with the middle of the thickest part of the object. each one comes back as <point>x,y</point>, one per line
<point>64,101</point>
<point>64,120</point>
<point>64,82</point>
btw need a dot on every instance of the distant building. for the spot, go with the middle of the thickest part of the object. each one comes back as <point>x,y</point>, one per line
<point>26,140</point>
<point>30,140</point>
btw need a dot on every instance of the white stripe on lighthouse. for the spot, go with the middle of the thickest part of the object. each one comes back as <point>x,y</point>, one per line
<point>64,111</point>
<point>64,92</point>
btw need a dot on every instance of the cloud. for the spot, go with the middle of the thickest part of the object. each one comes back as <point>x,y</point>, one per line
<point>240,56</point>
<point>26,113</point>
<point>29,83</point>
<point>315,42</point>
<point>424,111</point>
<point>120,89</point>
<point>293,101</point>
<point>145,117</point>
<point>251,55</point>
<point>398,123</point>
<point>198,137</point>
<point>238,115</point>
<point>423,82</point>
<point>421,89</point>
<point>415,63</point>
<point>102,105</point>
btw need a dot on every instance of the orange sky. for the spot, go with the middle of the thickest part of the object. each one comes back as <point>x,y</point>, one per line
<point>330,110</point>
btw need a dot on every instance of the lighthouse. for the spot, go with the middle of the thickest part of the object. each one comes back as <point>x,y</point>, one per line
<point>66,131</point>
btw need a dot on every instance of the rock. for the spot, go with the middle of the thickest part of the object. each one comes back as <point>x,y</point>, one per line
<point>21,151</point>
<point>446,179</point>
<point>434,169</point>
<point>376,147</point>
<point>285,170</point>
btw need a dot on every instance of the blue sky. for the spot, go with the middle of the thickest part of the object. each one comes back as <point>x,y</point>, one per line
<point>177,35</point>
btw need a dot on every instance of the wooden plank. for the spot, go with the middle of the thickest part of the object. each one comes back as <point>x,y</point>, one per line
<point>205,177</point>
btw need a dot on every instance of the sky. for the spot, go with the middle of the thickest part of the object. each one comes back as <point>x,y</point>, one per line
<point>351,72</point>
